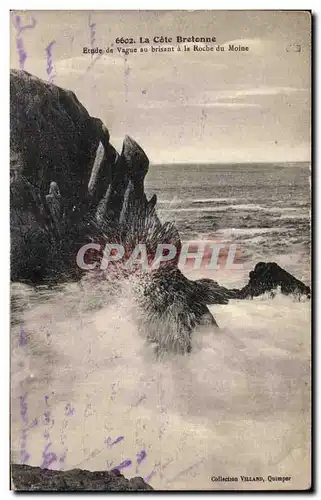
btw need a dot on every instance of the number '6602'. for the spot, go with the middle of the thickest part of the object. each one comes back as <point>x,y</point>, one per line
<point>124,40</point>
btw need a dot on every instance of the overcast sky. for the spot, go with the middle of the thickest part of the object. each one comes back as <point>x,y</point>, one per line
<point>209,106</point>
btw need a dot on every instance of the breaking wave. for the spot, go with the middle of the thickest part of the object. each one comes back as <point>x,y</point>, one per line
<point>238,403</point>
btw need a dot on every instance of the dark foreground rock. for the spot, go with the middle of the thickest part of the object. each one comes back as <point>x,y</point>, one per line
<point>27,478</point>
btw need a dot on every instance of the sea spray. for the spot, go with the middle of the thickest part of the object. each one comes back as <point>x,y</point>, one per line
<point>243,387</point>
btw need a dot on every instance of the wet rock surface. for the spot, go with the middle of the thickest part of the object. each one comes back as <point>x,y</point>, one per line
<point>69,187</point>
<point>27,478</point>
<point>268,276</point>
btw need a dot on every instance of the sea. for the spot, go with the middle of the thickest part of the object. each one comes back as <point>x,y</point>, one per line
<point>88,392</point>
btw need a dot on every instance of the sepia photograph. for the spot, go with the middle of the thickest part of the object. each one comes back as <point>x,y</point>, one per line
<point>160,250</point>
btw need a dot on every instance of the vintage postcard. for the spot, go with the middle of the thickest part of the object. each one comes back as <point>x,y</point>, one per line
<point>160,195</point>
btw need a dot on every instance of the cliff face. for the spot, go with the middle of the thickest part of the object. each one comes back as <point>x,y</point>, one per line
<point>52,136</point>
<point>53,139</point>
<point>27,478</point>
<point>69,186</point>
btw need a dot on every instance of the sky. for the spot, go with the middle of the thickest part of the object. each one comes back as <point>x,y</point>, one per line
<point>191,106</point>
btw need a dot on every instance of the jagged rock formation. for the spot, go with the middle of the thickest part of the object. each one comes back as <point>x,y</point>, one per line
<point>266,277</point>
<point>52,137</point>
<point>27,478</point>
<point>70,187</point>
<point>53,142</point>
<point>173,307</point>
<point>269,276</point>
<point>68,184</point>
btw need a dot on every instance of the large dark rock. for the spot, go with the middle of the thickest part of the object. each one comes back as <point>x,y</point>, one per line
<point>176,305</point>
<point>68,185</point>
<point>27,478</point>
<point>172,308</point>
<point>268,276</point>
<point>52,137</point>
<point>53,146</point>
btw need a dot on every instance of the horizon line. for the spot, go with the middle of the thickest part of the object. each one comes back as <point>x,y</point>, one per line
<point>209,162</point>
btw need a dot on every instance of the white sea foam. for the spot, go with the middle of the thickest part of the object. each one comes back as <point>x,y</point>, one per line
<point>238,404</point>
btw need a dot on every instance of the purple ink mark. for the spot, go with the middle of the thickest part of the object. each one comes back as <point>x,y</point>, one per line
<point>92,28</point>
<point>22,54</point>
<point>114,387</point>
<point>19,42</point>
<point>149,477</point>
<point>24,455</point>
<point>22,337</point>
<point>48,458</point>
<point>62,459</point>
<point>69,411</point>
<point>140,456</point>
<point>120,438</point>
<point>50,68</point>
<point>34,423</point>
<point>144,91</point>
<point>19,28</point>
<point>123,465</point>
<point>47,417</point>
<point>24,408</point>
<point>88,410</point>
<point>110,444</point>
